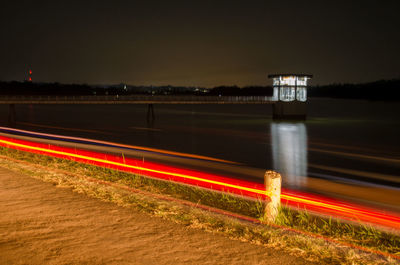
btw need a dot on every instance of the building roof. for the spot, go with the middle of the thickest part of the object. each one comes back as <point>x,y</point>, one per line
<point>292,74</point>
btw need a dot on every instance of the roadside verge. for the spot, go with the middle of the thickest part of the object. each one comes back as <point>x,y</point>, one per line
<point>99,183</point>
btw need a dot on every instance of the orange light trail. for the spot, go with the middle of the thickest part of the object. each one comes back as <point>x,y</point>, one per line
<point>339,209</point>
<point>161,151</point>
<point>140,167</point>
<point>220,183</point>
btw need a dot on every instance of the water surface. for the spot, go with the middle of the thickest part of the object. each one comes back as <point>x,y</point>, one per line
<point>342,141</point>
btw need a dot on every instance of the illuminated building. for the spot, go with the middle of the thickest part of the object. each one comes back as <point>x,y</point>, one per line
<point>290,87</point>
<point>290,94</point>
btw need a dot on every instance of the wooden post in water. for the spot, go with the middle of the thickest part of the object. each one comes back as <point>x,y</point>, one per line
<point>11,115</point>
<point>272,181</point>
<point>150,113</point>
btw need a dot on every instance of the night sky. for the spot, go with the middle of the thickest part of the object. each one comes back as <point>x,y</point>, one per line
<point>199,43</point>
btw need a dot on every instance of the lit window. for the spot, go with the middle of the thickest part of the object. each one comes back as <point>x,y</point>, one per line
<point>288,81</point>
<point>287,93</point>
<point>302,81</point>
<point>301,94</point>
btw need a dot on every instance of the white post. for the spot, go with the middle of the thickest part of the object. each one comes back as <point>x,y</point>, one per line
<point>272,181</point>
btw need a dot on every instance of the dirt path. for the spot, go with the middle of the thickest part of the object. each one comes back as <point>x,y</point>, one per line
<point>42,224</point>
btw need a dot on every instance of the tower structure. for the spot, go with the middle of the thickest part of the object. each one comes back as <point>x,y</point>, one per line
<point>290,94</point>
<point>290,87</point>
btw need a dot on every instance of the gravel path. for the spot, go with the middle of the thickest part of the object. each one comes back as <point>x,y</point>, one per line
<point>43,224</point>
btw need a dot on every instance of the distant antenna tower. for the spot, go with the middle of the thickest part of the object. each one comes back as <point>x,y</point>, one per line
<point>30,75</point>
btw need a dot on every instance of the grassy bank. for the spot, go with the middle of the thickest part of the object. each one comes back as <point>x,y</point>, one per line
<point>80,177</point>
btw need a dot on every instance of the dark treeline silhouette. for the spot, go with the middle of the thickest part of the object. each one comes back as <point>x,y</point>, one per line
<point>238,91</point>
<point>28,88</point>
<point>387,90</point>
<point>379,90</point>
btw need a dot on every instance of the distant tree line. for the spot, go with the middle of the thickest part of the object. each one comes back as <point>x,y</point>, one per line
<point>241,91</point>
<point>28,88</point>
<point>379,90</point>
<point>388,90</point>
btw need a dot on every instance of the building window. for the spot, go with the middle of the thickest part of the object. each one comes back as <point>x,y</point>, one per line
<point>275,96</point>
<point>301,94</point>
<point>287,93</point>
<point>302,81</point>
<point>288,81</point>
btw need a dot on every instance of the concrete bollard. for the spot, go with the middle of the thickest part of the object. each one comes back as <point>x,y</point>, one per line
<point>272,181</point>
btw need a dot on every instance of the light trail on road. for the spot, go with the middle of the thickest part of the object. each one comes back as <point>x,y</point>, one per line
<point>319,204</point>
<point>368,174</point>
<point>141,167</point>
<point>61,128</point>
<point>357,156</point>
<point>105,143</point>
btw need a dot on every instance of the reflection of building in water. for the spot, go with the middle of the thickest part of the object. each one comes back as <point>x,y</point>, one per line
<point>289,151</point>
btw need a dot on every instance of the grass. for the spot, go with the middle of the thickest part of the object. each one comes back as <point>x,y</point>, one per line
<point>313,249</point>
<point>358,234</point>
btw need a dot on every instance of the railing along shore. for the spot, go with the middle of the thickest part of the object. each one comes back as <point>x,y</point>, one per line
<point>134,99</point>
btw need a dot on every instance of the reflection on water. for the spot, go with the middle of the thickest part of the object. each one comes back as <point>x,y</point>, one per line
<point>289,152</point>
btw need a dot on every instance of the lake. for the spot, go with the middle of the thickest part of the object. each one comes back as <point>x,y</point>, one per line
<point>347,142</point>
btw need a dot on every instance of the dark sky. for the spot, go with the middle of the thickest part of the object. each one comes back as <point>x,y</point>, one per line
<point>199,43</point>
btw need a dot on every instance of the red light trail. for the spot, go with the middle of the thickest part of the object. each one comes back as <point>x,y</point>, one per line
<point>91,141</point>
<point>309,202</point>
